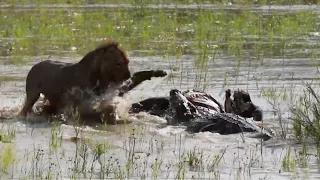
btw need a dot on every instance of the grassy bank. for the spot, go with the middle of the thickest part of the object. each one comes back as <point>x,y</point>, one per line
<point>206,34</point>
<point>138,2</point>
<point>163,32</point>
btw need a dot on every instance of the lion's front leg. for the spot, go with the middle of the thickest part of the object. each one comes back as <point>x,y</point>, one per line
<point>138,77</point>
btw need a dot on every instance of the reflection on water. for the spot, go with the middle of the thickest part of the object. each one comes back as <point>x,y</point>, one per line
<point>283,70</point>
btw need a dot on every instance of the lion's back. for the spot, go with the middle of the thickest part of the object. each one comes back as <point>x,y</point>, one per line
<point>43,73</point>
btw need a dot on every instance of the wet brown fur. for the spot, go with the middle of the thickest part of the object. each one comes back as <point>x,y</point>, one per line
<point>241,103</point>
<point>98,69</point>
<point>94,109</point>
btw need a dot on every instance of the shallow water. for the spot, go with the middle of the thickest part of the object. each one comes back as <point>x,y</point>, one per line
<point>154,141</point>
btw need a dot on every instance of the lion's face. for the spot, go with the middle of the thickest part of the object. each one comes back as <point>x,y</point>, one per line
<point>114,67</point>
<point>245,107</point>
<point>240,98</point>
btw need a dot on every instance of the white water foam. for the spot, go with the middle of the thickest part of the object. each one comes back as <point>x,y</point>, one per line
<point>169,130</point>
<point>140,92</point>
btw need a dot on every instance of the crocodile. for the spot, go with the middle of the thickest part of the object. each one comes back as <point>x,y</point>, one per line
<point>200,112</point>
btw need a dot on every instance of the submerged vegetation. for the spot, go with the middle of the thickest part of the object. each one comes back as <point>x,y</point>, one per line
<point>306,117</point>
<point>248,33</point>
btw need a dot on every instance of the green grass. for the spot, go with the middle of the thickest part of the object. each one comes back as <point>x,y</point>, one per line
<point>7,157</point>
<point>138,2</point>
<point>306,117</point>
<point>59,31</point>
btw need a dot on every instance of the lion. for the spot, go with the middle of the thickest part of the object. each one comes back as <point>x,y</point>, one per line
<point>242,105</point>
<point>105,65</point>
<point>93,108</point>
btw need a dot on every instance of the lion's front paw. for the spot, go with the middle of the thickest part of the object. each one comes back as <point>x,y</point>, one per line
<point>159,73</point>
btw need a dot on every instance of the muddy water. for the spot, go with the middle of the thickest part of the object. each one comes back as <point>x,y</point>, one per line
<point>242,158</point>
